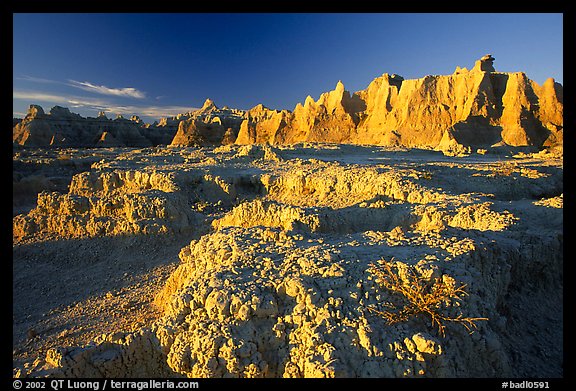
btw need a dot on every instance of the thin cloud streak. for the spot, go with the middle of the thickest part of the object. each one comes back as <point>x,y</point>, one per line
<point>37,80</point>
<point>127,92</point>
<point>59,99</point>
<point>101,105</point>
<point>152,111</point>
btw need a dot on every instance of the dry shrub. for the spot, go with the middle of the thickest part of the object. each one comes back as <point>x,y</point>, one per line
<point>417,295</point>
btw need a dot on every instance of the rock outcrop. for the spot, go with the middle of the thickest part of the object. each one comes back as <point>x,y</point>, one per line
<point>62,128</point>
<point>332,118</point>
<point>229,137</point>
<point>208,126</point>
<point>228,118</point>
<point>277,279</point>
<point>107,203</point>
<point>485,64</point>
<point>261,125</point>
<point>476,108</point>
<point>194,132</point>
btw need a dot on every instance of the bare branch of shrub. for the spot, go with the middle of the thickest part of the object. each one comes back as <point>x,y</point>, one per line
<point>417,295</point>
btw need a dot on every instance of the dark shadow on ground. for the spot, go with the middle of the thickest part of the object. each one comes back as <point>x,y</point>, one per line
<point>55,274</point>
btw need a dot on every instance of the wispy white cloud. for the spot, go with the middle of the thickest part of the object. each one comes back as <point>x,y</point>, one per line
<point>100,104</point>
<point>151,111</point>
<point>37,79</point>
<point>127,92</point>
<point>36,96</point>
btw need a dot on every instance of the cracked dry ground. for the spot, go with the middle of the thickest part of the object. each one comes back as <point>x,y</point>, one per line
<point>250,261</point>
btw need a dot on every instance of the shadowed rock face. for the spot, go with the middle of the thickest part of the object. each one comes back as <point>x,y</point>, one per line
<point>193,132</point>
<point>61,128</point>
<point>480,107</point>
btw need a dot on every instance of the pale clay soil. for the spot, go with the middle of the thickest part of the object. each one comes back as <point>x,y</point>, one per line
<point>263,253</point>
<point>69,292</point>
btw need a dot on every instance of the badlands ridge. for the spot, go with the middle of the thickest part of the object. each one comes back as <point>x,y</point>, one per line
<point>474,108</point>
<point>225,243</point>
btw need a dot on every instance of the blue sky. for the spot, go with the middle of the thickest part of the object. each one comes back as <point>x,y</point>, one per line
<point>155,65</point>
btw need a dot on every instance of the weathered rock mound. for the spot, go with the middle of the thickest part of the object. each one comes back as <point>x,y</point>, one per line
<point>261,125</point>
<point>197,133</point>
<point>108,203</point>
<point>282,285</point>
<point>209,126</point>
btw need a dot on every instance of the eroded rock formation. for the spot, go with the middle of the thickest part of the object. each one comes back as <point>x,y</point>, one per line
<point>261,125</point>
<point>209,126</point>
<point>62,128</point>
<point>193,132</point>
<point>476,108</point>
<point>276,279</point>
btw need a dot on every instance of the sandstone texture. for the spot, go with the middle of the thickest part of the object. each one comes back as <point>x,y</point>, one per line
<point>209,126</point>
<point>261,125</point>
<point>263,256</point>
<point>476,108</point>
